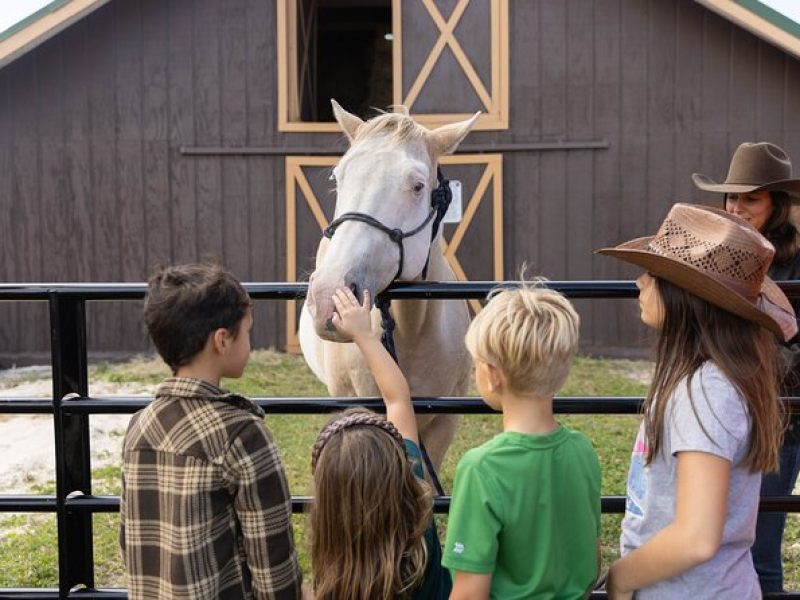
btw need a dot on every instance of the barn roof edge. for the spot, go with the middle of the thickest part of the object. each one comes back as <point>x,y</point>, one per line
<point>758,18</point>
<point>40,26</point>
<point>761,20</point>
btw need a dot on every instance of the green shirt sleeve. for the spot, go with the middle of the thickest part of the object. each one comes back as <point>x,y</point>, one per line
<point>415,458</point>
<point>474,523</point>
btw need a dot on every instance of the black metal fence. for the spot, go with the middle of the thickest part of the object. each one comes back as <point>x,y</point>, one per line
<point>74,504</point>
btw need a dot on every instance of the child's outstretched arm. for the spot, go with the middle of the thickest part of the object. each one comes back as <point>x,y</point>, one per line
<point>353,319</point>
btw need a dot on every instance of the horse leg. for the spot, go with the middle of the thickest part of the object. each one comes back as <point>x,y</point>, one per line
<point>436,433</point>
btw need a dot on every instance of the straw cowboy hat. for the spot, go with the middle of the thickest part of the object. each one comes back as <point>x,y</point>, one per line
<point>718,257</point>
<point>755,167</point>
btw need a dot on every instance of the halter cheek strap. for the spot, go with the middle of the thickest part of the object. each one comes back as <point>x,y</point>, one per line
<point>441,198</point>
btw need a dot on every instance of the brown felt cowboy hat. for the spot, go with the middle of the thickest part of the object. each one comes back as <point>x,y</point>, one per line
<point>755,167</point>
<point>718,257</point>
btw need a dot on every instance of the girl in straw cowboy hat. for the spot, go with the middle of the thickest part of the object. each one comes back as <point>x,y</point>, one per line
<point>711,421</point>
<point>759,188</point>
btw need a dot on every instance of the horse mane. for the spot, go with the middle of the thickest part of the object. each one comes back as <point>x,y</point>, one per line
<point>399,125</point>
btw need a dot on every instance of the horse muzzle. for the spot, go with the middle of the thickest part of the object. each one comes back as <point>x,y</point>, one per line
<point>319,304</point>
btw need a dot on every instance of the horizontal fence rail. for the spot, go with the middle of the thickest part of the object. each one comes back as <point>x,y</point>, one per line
<point>71,406</point>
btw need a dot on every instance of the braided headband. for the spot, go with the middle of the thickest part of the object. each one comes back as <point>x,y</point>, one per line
<point>352,420</point>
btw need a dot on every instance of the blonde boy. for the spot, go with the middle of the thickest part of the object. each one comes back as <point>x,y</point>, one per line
<point>525,512</point>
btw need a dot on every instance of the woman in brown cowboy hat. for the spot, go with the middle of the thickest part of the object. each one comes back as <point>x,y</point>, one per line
<point>711,421</point>
<point>759,188</point>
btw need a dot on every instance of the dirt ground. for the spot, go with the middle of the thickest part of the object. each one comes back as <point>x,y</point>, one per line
<point>27,442</point>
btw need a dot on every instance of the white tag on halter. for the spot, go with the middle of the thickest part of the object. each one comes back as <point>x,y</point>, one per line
<point>454,213</point>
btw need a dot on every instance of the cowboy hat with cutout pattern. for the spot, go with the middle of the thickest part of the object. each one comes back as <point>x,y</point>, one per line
<point>718,257</point>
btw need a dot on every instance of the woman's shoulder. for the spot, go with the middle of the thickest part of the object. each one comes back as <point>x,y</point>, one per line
<point>787,271</point>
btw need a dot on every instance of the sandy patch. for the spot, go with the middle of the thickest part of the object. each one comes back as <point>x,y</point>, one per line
<point>27,442</point>
<point>637,370</point>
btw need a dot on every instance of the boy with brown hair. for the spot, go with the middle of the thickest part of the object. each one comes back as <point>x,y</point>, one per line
<point>205,508</point>
<point>525,512</point>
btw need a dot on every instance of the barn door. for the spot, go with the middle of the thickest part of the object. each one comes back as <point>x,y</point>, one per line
<point>451,59</point>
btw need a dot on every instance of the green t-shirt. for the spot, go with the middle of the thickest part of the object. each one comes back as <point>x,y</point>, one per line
<point>526,508</point>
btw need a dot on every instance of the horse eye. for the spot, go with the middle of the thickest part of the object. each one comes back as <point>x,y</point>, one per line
<point>418,187</point>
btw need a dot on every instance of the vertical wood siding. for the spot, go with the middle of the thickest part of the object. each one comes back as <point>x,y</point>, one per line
<point>94,187</point>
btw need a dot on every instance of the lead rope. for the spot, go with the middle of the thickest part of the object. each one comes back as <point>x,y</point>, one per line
<point>387,324</point>
<point>387,339</point>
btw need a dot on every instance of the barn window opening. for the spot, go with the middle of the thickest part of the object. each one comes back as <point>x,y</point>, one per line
<point>344,51</point>
<point>443,60</point>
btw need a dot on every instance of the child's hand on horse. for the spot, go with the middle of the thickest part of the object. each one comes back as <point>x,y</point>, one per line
<point>351,317</point>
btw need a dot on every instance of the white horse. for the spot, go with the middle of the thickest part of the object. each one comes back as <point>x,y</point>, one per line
<point>388,174</point>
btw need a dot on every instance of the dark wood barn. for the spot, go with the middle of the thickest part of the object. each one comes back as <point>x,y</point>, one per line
<point>136,132</point>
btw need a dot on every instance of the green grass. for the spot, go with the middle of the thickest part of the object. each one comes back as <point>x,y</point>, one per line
<point>28,542</point>
<point>27,551</point>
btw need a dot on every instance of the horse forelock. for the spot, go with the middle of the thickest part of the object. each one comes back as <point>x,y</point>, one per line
<point>400,127</point>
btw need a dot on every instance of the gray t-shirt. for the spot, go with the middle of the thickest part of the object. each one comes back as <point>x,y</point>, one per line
<point>650,505</point>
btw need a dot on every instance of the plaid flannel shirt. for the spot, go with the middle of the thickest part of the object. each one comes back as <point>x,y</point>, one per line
<point>205,508</point>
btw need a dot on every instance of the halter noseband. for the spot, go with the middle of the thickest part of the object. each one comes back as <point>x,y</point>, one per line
<point>440,201</point>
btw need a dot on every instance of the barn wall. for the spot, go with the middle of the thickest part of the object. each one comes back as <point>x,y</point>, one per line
<point>94,186</point>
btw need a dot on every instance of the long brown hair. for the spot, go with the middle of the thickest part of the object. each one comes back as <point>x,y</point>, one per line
<point>368,518</point>
<point>695,331</point>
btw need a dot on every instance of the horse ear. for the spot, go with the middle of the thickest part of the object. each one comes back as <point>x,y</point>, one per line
<point>348,122</point>
<point>445,139</point>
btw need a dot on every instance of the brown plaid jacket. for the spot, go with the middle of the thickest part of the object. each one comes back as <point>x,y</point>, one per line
<point>205,508</point>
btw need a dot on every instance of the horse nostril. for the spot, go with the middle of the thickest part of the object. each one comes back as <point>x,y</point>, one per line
<point>353,280</point>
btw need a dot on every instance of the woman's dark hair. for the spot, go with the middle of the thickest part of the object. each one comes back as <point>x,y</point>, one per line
<point>780,230</point>
<point>187,303</point>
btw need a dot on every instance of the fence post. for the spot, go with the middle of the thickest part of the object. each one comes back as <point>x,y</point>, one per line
<point>73,460</point>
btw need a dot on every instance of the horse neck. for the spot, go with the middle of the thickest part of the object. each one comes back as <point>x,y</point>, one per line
<point>412,317</point>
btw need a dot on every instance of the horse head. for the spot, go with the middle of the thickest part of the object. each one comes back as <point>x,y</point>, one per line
<point>382,223</point>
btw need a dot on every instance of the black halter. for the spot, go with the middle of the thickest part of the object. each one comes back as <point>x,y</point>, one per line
<point>440,202</point>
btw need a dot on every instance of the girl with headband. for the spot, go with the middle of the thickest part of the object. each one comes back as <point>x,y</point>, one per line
<point>372,530</point>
